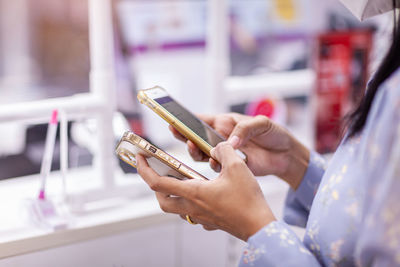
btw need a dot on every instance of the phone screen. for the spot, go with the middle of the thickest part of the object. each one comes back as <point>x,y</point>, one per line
<point>202,129</point>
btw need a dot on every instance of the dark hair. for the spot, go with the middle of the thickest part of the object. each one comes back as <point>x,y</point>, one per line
<point>389,65</point>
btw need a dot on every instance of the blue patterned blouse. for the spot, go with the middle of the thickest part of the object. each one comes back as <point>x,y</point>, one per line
<point>351,210</point>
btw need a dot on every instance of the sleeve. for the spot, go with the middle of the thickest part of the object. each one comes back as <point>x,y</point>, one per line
<point>298,203</point>
<point>379,238</point>
<point>276,245</point>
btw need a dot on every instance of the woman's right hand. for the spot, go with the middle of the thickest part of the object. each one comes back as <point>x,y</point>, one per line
<point>270,149</point>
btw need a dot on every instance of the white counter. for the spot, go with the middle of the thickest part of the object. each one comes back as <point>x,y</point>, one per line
<point>20,241</point>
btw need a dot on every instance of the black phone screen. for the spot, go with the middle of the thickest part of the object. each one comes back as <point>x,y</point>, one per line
<point>202,129</point>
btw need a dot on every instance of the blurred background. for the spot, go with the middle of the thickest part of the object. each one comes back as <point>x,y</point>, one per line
<point>44,53</point>
<point>303,63</point>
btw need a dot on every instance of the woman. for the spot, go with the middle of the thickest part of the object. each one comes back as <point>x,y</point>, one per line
<point>351,210</point>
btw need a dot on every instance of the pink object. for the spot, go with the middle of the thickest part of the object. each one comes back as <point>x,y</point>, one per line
<point>54,117</point>
<point>42,195</point>
<point>266,107</point>
<point>48,153</point>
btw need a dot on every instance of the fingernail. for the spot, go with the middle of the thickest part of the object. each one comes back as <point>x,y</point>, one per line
<point>234,141</point>
<point>212,152</point>
<point>189,147</point>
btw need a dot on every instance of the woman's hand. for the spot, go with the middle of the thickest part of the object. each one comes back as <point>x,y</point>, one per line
<point>223,124</point>
<point>270,149</point>
<point>233,202</point>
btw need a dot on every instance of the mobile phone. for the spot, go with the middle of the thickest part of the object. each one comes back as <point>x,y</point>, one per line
<point>164,164</point>
<point>190,126</point>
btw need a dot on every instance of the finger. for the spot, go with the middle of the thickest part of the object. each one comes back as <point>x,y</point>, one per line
<point>163,184</point>
<point>177,134</point>
<point>184,218</point>
<point>214,165</point>
<point>195,152</point>
<point>226,155</point>
<point>246,129</point>
<point>171,204</point>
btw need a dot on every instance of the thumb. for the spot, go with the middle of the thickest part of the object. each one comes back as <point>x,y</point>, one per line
<point>247,129</point>
<point>225,154</point>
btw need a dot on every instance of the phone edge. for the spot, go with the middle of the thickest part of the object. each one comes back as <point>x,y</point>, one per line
<point>127,138</point>
<point>172,120</point>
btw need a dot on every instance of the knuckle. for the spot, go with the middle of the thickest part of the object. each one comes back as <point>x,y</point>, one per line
<point>218,148</point>
<point>242,126</point>
<point>264,121</point>
<point>163,207</point>
<point>223,145</point>
<point>236,164</point>
<point>262,118</point>
<point>154,185</point>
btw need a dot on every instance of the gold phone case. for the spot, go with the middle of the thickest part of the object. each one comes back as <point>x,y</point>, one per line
<point>163,163</point>
<point>171,119</point>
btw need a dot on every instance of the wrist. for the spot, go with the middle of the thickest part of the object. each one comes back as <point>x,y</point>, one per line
<point>298,158</point>
<point>257,224</point>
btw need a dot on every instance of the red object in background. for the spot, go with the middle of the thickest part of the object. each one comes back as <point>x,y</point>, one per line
<point>342,71</point>
<point>135,123</point>
<point>264,107</point>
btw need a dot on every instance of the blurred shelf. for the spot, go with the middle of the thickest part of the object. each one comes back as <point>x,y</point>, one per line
<point>285,84</point>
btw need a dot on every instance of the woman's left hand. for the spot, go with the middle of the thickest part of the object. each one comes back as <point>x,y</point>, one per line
<point>232,202</point>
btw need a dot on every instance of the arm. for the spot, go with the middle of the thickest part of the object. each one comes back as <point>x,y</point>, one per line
<point>276,245</point>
